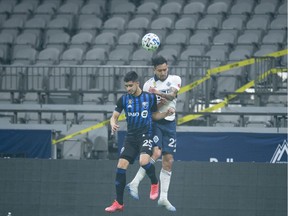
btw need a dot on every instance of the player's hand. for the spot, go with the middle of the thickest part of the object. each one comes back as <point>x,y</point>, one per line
<point>170,111</point>
<point>114,128</point>
<point>163,101</point>
<point>153,90</point>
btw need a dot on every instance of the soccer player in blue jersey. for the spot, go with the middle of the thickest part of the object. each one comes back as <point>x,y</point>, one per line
<point>166,87</point>
<point>139,107</point>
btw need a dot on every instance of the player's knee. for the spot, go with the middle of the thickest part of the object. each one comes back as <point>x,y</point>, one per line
<point>156,153</point>
<point>167,162</point>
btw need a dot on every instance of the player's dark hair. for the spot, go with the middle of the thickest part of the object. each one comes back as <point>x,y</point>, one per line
<point>158,60</point>
<point>131,76</point>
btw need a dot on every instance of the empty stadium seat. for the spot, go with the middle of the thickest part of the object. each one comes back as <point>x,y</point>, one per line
<point>129,40</point>
<point>201,38</point>
<point>23,10</point>
<point>218,7</point>
<point>6,41</point>
<point>233,22</point>
<point>138,25</point>
<point>92,9</point>
<point>283,8</point>
<point>161,26</point>
<point>176,41</point>
<point>265,7</point>
<point>106,40</point>
<point>258,121</point>
<point>115,25</point>
<point>170,54</point>
<point>274,37</point>
<point>194,9</point>
<point>239,54</point>
<point>35,25</point>
<point>147,9</point>
<point>258,22</point>
<point>141,56</point>
<point>122,9</point>
<point>89,23</point>
<point>208,22</point>
<point>171,10</point>
<point>185,25</point>
<point>26,40</point>
<point>227,121</point>
<point>69,11</point>
<point>58,40</point>
<point>72,56</point>
<point>81,40</point>
<point>95,56</point>
<point>12,26</point>
<point>45,11</point>
<point>57,25</point>
<point>121,55</point>
<point>280,22</point>
<point>48,56</point>
<point>224,37</point>
<point>24,56</point>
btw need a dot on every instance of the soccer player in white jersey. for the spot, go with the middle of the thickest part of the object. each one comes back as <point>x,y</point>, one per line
<point>166,87</point>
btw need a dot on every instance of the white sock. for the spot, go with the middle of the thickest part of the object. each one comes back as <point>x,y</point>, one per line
<point>165,177</point>
<point>140,175</point>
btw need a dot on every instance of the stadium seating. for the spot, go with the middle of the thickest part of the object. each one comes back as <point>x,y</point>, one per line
<point>55,35</point>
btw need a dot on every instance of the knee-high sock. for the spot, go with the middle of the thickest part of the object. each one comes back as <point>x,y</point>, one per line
<point>140,174</point>
<point>120,183</point>
<point>150,171</point>
<point>165,177</point>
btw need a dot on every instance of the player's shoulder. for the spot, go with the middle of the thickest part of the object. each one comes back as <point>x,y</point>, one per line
<point>174,77</point>
<point>149,80</point>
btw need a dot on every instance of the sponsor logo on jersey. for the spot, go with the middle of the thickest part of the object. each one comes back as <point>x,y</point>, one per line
<point>129,103</point>
<point>144,114</point>
<point>145,105</point>
<point>133,114</point>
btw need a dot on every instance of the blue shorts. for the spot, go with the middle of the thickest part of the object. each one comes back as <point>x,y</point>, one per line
<point>165,136</point>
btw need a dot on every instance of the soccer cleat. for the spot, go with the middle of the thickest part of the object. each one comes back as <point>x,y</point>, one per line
<point>115,207</point>
<point>133,190</point>
<point>154,191</point>
<point>165,203</point>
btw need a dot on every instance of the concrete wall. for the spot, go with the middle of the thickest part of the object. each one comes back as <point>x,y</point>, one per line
<point>85,187</point>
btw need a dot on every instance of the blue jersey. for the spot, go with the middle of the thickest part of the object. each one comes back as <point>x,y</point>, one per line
<point>138,111</point>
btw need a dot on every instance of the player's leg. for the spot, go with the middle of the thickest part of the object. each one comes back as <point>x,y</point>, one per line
<point>127,156</point>
<point>165,178</point>
<point>120,182</point>
<point>133,185</point>
<point>169,147</point>
<point>150,171</point>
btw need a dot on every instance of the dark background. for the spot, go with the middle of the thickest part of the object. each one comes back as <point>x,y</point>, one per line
<point>40,187</point>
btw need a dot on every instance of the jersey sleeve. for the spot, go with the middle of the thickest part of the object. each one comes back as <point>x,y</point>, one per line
<point>119,105</point>
<point>176,82</point>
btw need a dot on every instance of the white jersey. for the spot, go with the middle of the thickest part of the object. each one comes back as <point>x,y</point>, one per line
<point>171,81</point>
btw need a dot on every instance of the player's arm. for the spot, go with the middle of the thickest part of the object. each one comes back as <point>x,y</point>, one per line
<point>160,115</point>
<point>115,116</point>
<point>114,121</point>
<point>171,95</point>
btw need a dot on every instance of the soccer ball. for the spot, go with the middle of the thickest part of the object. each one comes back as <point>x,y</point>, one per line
<point>150,42</point>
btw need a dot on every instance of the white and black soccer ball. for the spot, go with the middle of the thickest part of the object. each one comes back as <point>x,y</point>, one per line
<point>150,42</point>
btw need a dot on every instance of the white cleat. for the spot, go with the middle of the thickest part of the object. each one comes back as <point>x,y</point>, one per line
<point>133,190</point>
<point>165,203</point>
